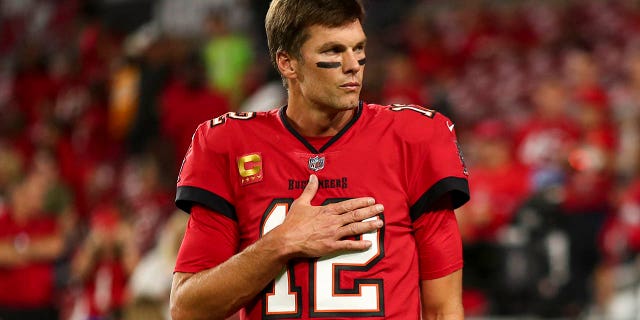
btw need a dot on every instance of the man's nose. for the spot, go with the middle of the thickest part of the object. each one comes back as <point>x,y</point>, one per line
<point>350,62</point>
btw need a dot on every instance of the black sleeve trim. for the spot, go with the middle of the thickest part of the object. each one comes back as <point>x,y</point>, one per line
<point>187,196</point>
<point>457,187</point>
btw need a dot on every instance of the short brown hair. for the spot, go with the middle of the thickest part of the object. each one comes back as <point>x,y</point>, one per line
<point>287,21</point>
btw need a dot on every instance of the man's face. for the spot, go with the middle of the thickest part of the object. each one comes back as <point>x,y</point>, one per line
<point>330,72</point>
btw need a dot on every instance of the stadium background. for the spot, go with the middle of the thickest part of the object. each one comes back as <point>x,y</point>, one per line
<point>98,100</point>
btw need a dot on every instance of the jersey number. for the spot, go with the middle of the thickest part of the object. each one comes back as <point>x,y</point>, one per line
<point>326,296</point>
<point>424,111</point>
<point>231,115</point>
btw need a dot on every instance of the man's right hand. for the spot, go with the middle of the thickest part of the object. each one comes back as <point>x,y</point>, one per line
<point>315,231</point>
<point>307,231</point>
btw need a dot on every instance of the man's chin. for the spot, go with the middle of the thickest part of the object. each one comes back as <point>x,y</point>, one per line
<point>352,104</point>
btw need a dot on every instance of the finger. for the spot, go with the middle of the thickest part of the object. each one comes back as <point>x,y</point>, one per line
<point>362,213</point>
<point>351,205</point>
<point>353,245</point>
<point>358,228</point>
<point>310,190</point>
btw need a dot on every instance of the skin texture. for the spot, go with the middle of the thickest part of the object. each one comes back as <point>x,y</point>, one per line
<point>442,298</point>
<point>321,101</point>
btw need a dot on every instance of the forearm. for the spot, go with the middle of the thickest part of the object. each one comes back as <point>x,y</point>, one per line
<point>454,312</point>
<point>442,298</point>
<point>8,255</point>
<point>219,292</point>
<point>47,248</point>
<point>39,249</point>
<point>83,261</point>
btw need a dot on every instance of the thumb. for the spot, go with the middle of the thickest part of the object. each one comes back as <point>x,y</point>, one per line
<point>310,190</point>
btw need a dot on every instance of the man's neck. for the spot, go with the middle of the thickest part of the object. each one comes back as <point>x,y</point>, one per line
<point>312,121</point>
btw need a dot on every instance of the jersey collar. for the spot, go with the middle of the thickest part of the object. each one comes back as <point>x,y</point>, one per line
<point>335,138</point>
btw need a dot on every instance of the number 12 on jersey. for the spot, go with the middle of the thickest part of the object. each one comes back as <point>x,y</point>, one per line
<point>326,296</point>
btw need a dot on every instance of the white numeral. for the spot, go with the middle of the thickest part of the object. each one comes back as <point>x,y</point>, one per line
<point>327,297</point>
<point>282,300</point>
<point>232,115</point>
<point>427,112</point>
<point>368,297</point>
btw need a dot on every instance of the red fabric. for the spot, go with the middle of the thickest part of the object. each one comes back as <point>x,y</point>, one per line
<point>30,285</point>
<point>394,92</point>
<point>34,94</point>
<point>110,274</point>
<point>206,226</point>
<point>497,192</point>
<point>588,192</point>
<point>439,244</point>
<point>430,59</point>
<point>395,155</point>
<point>92,44</point>
<point>621,234</point>
<point>541,142</point>
<point>475,303</point>
<point>604,137</point>
<point>184,108</point>
<point>593,97</point>
<point>74,171</point>
<point>151,210</point>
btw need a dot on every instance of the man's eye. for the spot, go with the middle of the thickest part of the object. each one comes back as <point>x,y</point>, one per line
<point>333,50</point>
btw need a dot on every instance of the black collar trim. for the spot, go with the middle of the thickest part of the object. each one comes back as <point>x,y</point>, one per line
<point>335,138</point>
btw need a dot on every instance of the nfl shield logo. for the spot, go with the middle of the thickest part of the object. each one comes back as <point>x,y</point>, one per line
<point>316,163</point>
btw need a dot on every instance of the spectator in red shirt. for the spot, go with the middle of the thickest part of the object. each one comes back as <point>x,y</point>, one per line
<point>591,160</point>
<point>188,101</point>
<point>30,243</point>
<point>401,84</point>
<point>620,246</point>
<point>103,264</point>
<point>147,199</point>
<point>590,181</point>
<point>542,142</point>
<point>499,184</point>
<point>34,89</point>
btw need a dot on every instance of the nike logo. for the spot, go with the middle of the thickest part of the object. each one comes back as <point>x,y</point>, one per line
<point>450,126</point>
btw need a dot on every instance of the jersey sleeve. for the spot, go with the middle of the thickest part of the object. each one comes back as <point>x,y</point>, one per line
<point>438,242</point>
<point>434,164</point>
<point>204,175</point>
<point>209,240</point>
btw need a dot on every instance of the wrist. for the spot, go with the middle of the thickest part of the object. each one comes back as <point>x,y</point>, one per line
<point>275,242</point>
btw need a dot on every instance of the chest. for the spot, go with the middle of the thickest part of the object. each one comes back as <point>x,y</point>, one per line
<point>271,173</point>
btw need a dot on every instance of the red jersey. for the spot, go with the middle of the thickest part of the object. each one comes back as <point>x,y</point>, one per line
<point>30,285</point>
<point>545,142</point>
<point>497,192</point>
<point>250,167</point>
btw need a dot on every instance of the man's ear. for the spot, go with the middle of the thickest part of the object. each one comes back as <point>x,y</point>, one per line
<point>286,65</point>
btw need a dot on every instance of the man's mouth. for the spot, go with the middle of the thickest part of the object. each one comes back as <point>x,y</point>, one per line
<point>351,85</point>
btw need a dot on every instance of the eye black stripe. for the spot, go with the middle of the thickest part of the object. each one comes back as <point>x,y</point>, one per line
<point>328,65</point>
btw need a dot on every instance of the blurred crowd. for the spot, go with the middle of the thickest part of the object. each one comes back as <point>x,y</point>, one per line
<point>99,99</point>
